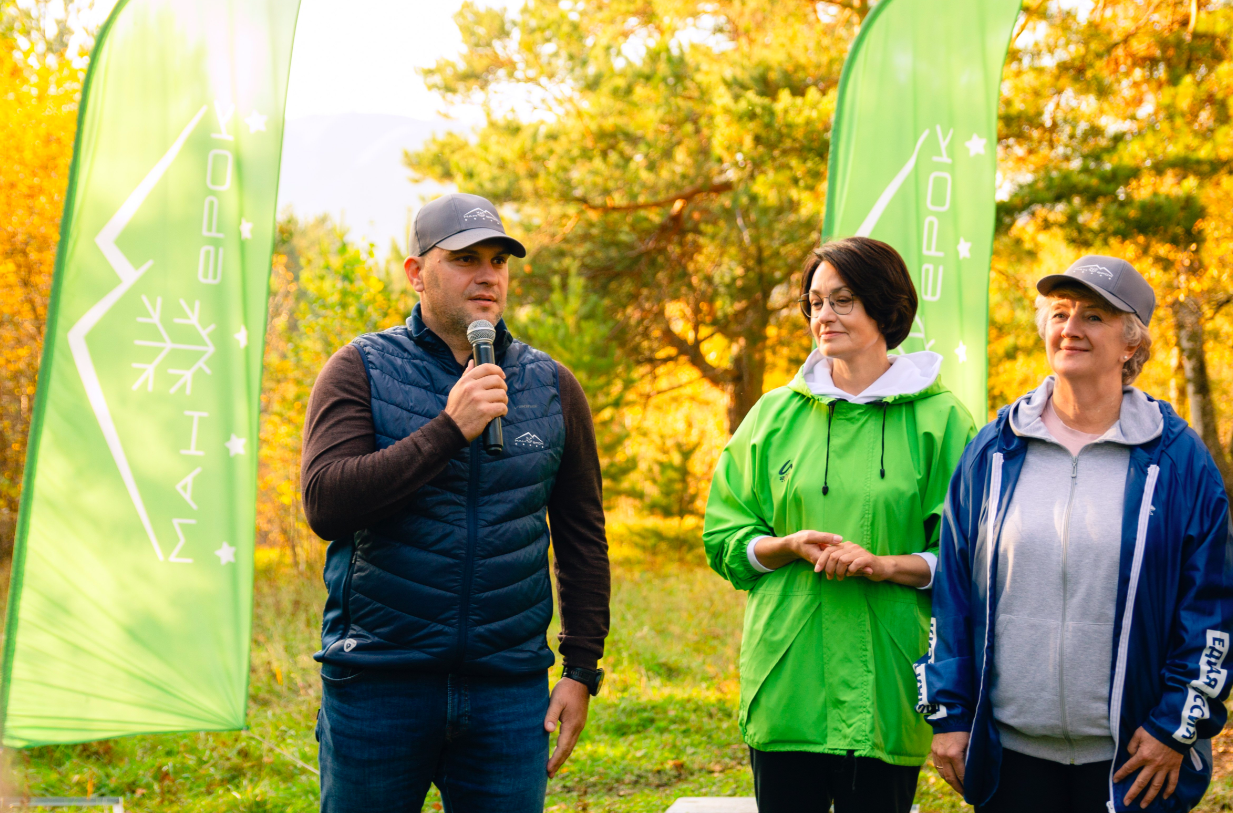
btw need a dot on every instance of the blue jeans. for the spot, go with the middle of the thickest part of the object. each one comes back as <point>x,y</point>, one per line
<point>386,736</point>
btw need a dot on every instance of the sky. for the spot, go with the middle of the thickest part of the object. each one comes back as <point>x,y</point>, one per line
<point>354,102</point>
<point>353,69</point>
<point>360,56</point>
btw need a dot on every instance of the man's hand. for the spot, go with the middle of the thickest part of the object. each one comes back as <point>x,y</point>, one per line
<point>567,710</point>
<point>949,753</point>
<point>478,397</point>
<point>1159,764</point>
<point>776,551</point>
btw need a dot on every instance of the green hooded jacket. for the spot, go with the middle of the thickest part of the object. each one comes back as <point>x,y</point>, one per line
<point>826,666</point>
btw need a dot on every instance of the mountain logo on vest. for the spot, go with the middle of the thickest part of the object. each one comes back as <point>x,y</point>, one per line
<point>480,214</point>
<point>529,440</point>
<point>785,471</point>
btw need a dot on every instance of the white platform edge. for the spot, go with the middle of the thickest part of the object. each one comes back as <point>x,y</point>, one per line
<point>729,804</point>
<point>699,804</point>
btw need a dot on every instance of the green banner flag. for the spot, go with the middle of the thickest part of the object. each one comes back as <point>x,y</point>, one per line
<point>131,599</point>
<point>913,163</point>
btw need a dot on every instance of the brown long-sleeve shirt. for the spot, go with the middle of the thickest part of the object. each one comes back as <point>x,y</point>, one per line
<point>349,485</point>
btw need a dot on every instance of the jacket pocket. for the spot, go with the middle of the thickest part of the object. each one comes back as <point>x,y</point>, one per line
<point>1193,779</point>
<point>899,635</point>
<point>1195,775</point>
<point>906,624</point>
<point>772,624</point>
<point>1026,690</point>
<point>346,592</point>
<point>334,675</point>
<point>1086,658</point>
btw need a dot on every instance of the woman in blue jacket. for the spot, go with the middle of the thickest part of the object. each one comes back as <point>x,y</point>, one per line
<point>1084,593</point>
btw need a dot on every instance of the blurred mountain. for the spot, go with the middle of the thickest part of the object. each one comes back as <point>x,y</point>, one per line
<point>350,167</point>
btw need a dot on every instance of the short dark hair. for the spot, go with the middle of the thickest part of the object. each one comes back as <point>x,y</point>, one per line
<point>877,276</point>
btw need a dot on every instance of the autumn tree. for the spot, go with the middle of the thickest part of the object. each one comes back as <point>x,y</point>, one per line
<point>325,289</point>
<point>671,154</point>
<point>38,107</point>
<point>49,32</point>
<point>1116,132</point>
<point>576,328</point>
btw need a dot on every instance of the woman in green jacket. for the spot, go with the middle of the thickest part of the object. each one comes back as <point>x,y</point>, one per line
<point>825,506</point>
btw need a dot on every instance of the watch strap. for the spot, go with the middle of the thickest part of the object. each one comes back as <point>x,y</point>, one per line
<point>591,678</point>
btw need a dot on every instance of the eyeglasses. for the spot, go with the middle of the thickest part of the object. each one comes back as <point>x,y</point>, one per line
<point>842,303</point>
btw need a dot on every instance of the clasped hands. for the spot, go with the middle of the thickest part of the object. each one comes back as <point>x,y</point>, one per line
<point>830,554</point>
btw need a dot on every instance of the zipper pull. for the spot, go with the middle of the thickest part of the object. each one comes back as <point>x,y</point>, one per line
<point>1074,468</point>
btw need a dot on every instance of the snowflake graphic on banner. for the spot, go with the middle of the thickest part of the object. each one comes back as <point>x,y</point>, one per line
<point>202,347</point>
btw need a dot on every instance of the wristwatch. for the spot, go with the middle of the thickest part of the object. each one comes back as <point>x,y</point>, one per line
<point>591,678</point>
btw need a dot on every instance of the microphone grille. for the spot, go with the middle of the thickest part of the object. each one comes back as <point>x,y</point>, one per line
<point>481,330</point>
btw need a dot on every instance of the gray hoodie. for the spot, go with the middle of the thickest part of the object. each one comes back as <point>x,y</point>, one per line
<point>1057,584</point>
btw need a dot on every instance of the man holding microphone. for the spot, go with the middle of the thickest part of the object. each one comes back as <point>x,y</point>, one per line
<point>434,656</point>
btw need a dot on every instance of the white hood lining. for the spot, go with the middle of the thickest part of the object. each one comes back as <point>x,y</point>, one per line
<point>908,374</point>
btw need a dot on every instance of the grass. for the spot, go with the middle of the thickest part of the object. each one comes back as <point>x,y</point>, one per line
<point>664,726</point>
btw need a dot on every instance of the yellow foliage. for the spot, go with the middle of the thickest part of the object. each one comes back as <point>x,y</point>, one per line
<point>323,293</point>
<point>38,108</point>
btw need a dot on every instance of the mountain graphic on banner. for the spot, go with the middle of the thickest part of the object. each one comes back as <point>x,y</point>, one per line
<point>131,601</point>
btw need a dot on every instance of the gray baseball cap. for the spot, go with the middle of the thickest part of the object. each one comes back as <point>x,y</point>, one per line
<point>456,221</point>
<point>1113,280</point>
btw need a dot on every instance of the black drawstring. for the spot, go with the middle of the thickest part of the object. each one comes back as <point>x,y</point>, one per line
<point>827,475</point>
<point>830,415</point>
<point>882,460</point>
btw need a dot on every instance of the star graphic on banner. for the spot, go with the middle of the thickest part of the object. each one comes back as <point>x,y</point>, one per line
<point>225,554</point>
<point>975,145</point>
<point>241,336</point>
<point>255,122</point>
<point>965,249</point>
<point>235,445</point>
<point>246,230</point>
<point>962,352</point>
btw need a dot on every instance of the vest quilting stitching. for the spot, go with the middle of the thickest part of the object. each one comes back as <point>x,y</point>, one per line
<point>419,554</point>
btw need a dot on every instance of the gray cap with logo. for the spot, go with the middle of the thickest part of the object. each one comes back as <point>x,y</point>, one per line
<point>1113,280</point>
<point>456,221</point>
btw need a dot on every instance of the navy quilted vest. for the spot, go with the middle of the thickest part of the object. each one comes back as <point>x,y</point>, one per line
<point>459,580</point>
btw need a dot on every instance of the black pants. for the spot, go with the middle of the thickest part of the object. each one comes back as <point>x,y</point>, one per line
<point>1031,785</point>
<point>802,782</point>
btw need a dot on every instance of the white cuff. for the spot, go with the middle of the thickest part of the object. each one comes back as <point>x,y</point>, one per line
<point>931,559</point>
<point>753,557</point>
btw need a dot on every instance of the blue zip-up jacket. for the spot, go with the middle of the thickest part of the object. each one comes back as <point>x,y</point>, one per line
<point>1174,607</point>
<point>458,580</point>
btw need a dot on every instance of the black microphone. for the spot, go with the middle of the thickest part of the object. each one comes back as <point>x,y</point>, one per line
<point>481,334</point>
